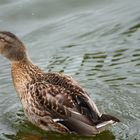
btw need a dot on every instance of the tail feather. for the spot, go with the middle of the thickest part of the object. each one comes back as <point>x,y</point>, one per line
<point>106,120</point>
<point>104,124</point>
<point>106,117</point>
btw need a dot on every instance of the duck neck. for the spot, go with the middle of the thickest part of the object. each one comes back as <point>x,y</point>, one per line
<point>24,72</point>
<point>25,69</point>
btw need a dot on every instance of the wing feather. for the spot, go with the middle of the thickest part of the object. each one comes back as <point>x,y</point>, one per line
<point>64,98</point>
<point>60,105</point>
<point>69,106</point>
<point>78,94</point>
<point>53,99</point>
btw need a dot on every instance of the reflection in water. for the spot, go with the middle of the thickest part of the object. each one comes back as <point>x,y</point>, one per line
<point>26,131</point>
<point>106,135</point>
<point>20,136</point>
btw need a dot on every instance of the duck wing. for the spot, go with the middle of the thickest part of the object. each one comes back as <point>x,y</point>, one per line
<point>78,94</point>
<point>68,104</point>
<point>63,110</point>
<point>84,103</point>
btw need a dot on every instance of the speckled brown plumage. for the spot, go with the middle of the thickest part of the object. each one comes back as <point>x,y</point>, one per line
<point>51,101</point>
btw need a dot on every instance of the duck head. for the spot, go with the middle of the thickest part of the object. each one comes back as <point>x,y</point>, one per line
<point>11,47</point>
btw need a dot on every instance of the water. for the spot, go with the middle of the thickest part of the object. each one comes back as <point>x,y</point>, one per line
<point>97,42</point>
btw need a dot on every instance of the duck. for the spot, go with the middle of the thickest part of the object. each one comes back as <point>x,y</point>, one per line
<point>52,101</point>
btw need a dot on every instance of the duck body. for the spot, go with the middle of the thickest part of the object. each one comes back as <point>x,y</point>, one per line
<point>53,101</point>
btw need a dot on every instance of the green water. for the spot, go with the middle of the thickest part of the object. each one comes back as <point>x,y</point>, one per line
<point>95,41</point>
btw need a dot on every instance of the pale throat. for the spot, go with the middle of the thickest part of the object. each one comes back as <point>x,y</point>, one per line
<point>23,73</point>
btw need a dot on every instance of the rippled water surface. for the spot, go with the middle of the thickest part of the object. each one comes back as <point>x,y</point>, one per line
<point>95,41</point>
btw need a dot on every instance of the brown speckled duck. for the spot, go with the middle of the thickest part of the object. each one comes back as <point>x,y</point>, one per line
<point>51,101</point>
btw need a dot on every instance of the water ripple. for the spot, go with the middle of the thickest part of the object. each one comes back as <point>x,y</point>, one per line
<point>97,42</point>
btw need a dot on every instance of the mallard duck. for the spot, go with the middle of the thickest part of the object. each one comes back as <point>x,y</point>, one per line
<point>51,101</point>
